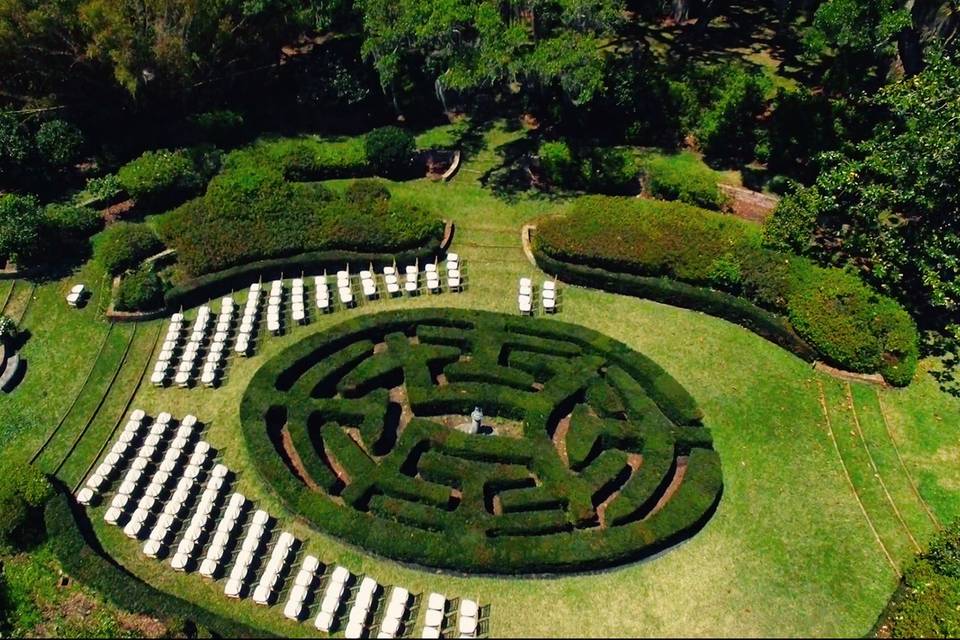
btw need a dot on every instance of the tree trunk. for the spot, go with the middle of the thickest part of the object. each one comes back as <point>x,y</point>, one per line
<point>909,47</point>
<point>680,9</point>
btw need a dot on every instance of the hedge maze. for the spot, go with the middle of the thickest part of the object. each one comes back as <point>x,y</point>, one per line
<point>594,455</point>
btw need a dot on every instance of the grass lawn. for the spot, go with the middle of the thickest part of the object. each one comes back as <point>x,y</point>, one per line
<point>793,549</point>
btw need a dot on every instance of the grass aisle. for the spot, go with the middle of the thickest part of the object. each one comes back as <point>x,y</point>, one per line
<point>113,409</point>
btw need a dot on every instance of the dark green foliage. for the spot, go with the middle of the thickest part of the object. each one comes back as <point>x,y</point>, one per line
<point>74,542</point>
<point>124,245</point>
<point>595,169</point>
<point>218,127</point>
<point>302,159</point>
<point>727,129</point>
<point>430,494</point>
<point>160,178</point>
<point>15,140</point>
<point>927,602</point>
<point>251,213</point>
<point>58,143</point>
<point>683,177</point>
<point>631,246</point>
<point>140,290</point>
<point>23,491</point>
<point>366,192</point>
<point>21,225</point>
<point>802,125</point>
<point>72,221</point>
<point>389,150</point>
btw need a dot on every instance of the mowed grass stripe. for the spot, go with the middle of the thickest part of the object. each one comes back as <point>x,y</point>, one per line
<point>86,404</point>
<point>876,470</point>
<point>865,481</point>
<point>899,485</point>
<point>903,465</point>
<point>19,302</point>
<point>114,408</point>
<point>6,291</point>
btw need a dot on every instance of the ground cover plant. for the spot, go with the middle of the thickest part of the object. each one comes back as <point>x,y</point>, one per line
<point>845,321</point>
<point>608,462</point>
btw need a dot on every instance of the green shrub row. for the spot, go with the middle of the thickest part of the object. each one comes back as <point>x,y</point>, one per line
<point>160,178</point>
<point>694,258</point>
<point>71,537</point>
<point>304,158</point>
<point>140,290</point>
<point>683,177</point>
<point>387,510</point>
<point>198,290</point>
<point>254,213</point>
<point>124,245</point>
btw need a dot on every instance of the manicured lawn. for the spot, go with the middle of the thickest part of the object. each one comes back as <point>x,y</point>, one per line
<point>789,551</point>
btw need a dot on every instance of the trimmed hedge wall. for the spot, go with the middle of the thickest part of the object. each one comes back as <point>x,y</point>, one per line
<point>201,289</point>
<point>694,258</point>
<point>426,493</point>
<point>71,537</point>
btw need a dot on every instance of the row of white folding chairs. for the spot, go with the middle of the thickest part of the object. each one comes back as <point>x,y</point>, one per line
<point>135,477</point>
<point>453,272</point>
<point>360,611</point>
<point>159,537</point>
<point>223,534</point>
<point>322,293</point>
<point>468,619</point>
<point>434,616</point>
<point>274,306</point>
<point>216,485</point>
<point>265,588</point>
<point>368,283</point>
<point>166,362</point>
<point>248,323</point>
<point>301,587</point>
<point>332,596</point>
<point>198,336</point>
<point>241,565</point>
<point>391,626</point>
<point>297,308</point>
<point>548,294</point>
<point>114,460</point>
<point>344,288</point>
<point>150,500</point>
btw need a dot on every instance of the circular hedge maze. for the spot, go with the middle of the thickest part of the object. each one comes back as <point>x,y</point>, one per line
<point>591,455</point>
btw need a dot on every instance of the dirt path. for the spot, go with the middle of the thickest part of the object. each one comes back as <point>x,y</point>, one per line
<point>295,460</point>
<point>672,487</point>
<point>634,461</point>
<point>560,438</point>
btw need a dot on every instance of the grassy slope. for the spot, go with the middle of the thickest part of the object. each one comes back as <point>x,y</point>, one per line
<point>789,551</point>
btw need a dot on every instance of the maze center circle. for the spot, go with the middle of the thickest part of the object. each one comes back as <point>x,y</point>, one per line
<point>590,455</point>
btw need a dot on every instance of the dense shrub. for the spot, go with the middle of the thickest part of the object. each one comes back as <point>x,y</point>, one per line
<point>303,159</point>
<point>102,189</point>
<point>927,602</point>
<point>727,128</point>
<point>124,246</point>
<point>252,214</point>
<point>14,140</point>
<point>551,527</point>
<point>366,192</point>
<point>158,178</point>
<point>848,323</point>
<point>71,221</point>
<point>594,169</point>
<point>23,491</point>
<point>21,225</point>
<point>58,143</point>
<point>140,290</point>
<point>389,150</point>
<point>73,541</point>
<point>219,127</point>
<point>683,177</point>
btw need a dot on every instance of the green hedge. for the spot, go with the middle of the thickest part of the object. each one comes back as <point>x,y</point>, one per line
<point>683,177</point>
<point>140,290</point>
<point>253,213</point>
<point>694,258</point>
<point>160,178</point>
<point>124,245</point>
<point>304,158</point>
<point>199,290</point>
<point>71,537</point>
<point>399,500</point>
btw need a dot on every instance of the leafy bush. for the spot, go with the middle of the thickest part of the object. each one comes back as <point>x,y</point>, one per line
<point>103,188</point>
<point>727,129</point>
<point>683,177</point>
<point>8,328</point>
<point>848,323</point>
<point>23,490</point>
<point>140,290</point>
<point>303,159</point>
<point>71,222</point>
<point>596,169</point>
<point>15,140</point>
<point>158,178</point>
<point>124,245</point>
<point>927,602</point>
<point>366,192</point>
<point>219,127</point>
<point>21,224</point>
<point>59,143</point>
<point>251,213</point>
<point>389,150</point>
